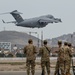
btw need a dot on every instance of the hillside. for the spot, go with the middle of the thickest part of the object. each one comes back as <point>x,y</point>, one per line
<point>66,37</point>
<point>18,38</point>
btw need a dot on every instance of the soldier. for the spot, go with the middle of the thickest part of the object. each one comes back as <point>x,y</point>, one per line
<point>30,51</point>
<point>60,60</point>
<point>70,46</point>
<point>67,60</point>
<point>70,56</point>
<point>45,57</point>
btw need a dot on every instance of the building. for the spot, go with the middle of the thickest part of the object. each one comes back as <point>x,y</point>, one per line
<point>6,46</point>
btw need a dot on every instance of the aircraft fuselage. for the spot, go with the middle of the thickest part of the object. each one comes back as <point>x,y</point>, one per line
<point>32,23</point>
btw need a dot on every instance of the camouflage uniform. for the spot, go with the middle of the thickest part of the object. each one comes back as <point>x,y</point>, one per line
<point>56,67</point>
<point>45,60</point>
<point>70,56</point>
<point>60,60</point>
<point>67,59</point>
<point>30,51</point>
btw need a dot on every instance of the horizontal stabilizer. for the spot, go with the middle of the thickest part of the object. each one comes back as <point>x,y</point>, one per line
<point>3,21</point>
<point>9,22</point>
<point>15,12</point>
<point>5,13</point>
<point>16,16</point>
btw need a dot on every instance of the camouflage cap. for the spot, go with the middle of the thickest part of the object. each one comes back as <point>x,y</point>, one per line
<point>45,41</point>
<point>59,42</point>
<point>69,44</point>
<point>30,40</point>
<point>65,43</point>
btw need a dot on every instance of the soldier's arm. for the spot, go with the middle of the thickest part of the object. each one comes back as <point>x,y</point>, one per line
<point>56,50</point>
<point>40,51</point>
<point>50,49</point>
<point>70,52</point>
<point>35,49</point>
<point>24,50</point>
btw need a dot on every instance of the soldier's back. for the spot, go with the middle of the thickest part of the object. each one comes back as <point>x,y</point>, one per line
<point>61,54</point>
<point>30,52</point>
<point>45,53</point>
<point>66,52</point>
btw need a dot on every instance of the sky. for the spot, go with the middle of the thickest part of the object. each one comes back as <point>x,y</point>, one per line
<point>64,9</point>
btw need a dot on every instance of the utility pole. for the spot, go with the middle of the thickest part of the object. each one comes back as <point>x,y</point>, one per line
<point>41,38</point>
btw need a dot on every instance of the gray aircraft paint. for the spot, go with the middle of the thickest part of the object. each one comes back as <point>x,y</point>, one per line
<point>37,22</point>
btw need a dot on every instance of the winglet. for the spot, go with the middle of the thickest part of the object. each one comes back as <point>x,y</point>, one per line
<point>3,21</point>
<point>60,20</point>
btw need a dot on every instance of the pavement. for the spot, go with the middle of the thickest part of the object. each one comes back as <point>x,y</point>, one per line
<point>20,72</point>
<point>10,70</point>
<point>23,72</point>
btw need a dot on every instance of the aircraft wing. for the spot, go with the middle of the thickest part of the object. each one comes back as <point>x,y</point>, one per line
<point>47,20</point>
<point>9,22</point>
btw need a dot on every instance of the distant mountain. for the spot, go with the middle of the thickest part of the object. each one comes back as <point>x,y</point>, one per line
<point>21,38</point>
<point>66,37</point>
<point>18,38</point>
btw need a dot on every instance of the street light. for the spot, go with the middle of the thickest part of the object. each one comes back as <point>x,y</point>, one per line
<point>37,37</point>
<point>71,38</point>
<point>41,38</point>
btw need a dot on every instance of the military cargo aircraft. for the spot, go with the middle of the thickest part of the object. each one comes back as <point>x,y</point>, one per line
<point>37,22</point>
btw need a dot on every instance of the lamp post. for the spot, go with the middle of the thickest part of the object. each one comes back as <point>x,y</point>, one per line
<point>71,39</point>
<point>29,34</point>
<point>41,38</point>
<point>37,37</point>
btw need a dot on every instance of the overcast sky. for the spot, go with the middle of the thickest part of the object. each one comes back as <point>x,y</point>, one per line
<point>64,9</point>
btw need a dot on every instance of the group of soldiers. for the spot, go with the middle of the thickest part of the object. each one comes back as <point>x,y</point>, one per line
<point>63,61</point>
<point>64,58</point>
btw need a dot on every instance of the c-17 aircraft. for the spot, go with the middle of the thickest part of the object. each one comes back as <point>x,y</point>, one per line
<point>37,22</point>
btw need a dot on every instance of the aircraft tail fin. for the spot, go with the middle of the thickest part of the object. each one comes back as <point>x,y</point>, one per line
<point>17,16</point>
